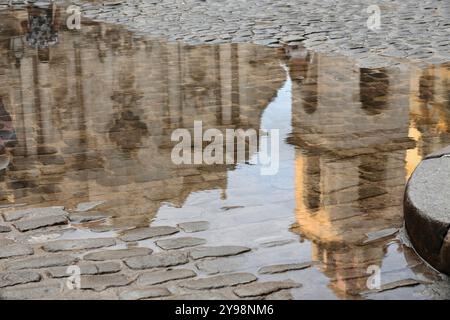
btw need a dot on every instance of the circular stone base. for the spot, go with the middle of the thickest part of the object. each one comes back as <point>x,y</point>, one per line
<point>427,209</point>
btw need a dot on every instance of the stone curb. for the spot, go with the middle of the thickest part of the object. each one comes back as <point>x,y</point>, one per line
<point>427,209</point>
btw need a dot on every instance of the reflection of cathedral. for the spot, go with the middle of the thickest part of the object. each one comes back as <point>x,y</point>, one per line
<point>94,120</point>
<point>352,129</point>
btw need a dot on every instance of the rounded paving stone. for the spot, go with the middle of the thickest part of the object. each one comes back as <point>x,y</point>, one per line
<point>178,243</point>
<point>15,250</point>
<point>117,254</point>
<point>215,282</point>
<point>144,294</point>
<point>157,277</point>
<point>78,244</point>
<point>157,260</point>
<point>194,226</point>
<point>20,277</point>
<point>146,233</point>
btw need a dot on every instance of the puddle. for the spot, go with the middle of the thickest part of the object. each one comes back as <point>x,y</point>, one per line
<point>87,115</point>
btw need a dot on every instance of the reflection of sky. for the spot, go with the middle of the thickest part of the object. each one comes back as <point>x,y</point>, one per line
<point>262,211</point>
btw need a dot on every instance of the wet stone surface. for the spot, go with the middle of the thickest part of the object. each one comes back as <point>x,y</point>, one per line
<point>219,265</point>
<point>157,260</point>
<point>220,251</point>
<point>180,242</point>
<point>35,291</point>
<point>86,217</point>
<point>103,282</point>
<point>14,215</point>
<point>31,224</point>
<point>200,296</point>
<point>117,254</point>
<point>86,206</point>
<point>37,262</point>
<point>279,295</point>
<point>264,288</point>
<point>194,226</point>
<point>8,279</point>
<point>221,281</point>
<point>157,277</point>
<point>285,267</point>
<point>144,294</point>
<point>13,250</point>
<point>4,229</point>
<point>79,244</point>
<point>87,179</point>
<point>146,233</point>
<point>86,269</point>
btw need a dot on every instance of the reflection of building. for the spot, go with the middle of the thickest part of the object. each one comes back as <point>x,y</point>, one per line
<point>94,122</point>
<point>430,108</point>
<point>352,128</point>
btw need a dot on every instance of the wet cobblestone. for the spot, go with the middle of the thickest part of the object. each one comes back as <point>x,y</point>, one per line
<point>357,133</point>
<point>409,29</point>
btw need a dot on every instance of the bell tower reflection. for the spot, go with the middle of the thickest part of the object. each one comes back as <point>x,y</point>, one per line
<point>351,135</point>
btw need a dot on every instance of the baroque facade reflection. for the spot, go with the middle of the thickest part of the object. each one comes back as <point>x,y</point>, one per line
<point>94,118</point>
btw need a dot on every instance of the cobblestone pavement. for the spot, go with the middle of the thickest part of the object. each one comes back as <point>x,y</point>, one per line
<point>49,260</point>
<point>95,145</point>
<point>417,30</point>
<point>34,265</point>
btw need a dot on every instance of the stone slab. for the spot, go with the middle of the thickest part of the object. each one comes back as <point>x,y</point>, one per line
<point>194,226</point>
<point>33,213</point>
<point>4,229</point>
<point>149,293</point>
<point>86,268</point>
<point>146,233</point>
<point>39,262</point>
<point>33,291</point>
<point>178,243</point>
<point>103,282</point>
<point>220,281</point>
<point>219,251</point>
<point>157,260</point>
<point>264,288</point>
<point>86,217</point>
<point>36,223</point>
<point>78,244</point>
<point>14,250</point>
<point>157,277</point>
<point>117,254</point>
<point>280,268</point>
<point>18,277</point>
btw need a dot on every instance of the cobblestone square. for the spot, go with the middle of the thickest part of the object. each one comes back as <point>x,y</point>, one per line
<point>92,205</point>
